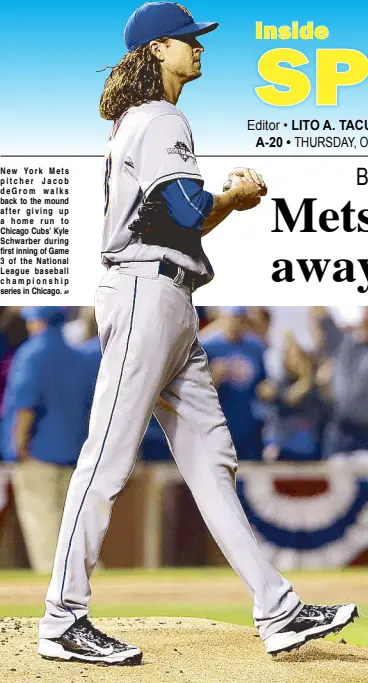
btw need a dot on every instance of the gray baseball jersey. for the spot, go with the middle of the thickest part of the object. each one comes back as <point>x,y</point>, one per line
<point>148,145</point>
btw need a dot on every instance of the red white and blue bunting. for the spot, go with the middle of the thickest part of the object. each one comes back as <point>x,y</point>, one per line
<point>308,516</point>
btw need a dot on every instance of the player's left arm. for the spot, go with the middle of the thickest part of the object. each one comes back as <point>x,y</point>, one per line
<point>191,206</point>
<point>186,202</point>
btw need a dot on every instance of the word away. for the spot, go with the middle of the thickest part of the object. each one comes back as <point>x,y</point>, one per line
<point>344,270</point>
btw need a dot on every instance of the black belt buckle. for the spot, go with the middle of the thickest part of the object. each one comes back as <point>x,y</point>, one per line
<point>180,276</point>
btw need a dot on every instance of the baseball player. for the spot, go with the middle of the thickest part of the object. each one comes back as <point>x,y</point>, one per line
<point>156,212</point>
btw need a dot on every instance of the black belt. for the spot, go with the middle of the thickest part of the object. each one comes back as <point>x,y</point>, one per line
<point>179,275</point>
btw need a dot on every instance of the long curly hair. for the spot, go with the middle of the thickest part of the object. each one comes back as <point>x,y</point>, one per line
<point>134,80</point>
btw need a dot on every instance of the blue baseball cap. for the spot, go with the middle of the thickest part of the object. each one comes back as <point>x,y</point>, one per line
<point>162,19</point>
<point>52,315</point>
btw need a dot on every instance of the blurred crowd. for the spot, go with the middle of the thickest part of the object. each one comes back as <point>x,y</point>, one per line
<point>292,382</point>
<point>46,390</point>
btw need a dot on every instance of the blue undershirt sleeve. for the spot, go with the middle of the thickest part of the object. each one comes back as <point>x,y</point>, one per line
<point>187,203</point>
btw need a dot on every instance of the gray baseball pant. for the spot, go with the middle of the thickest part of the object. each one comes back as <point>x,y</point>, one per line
<point>148,331</point>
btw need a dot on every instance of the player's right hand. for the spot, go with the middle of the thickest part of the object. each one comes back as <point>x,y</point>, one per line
<point>240,174</point>
<point>247,187</point>
<point>247,195</point>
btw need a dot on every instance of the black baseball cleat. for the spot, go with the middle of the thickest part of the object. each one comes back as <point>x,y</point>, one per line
<point>313,621</point>
<point>84,642</point>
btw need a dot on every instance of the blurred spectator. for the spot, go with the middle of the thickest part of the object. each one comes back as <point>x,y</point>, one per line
<point>81,327</point>
<point>346,380</point>
<point>91,346</point>
<point>259,321</point>
<point>327,334</point>
<point>295,320</point>
<point>90,324</point>
<point>202,312</point>
<point>154,445</point>
<point>297,418</point>
<point>236,363</point>
<point>46,408</point>
<point>12,334</point>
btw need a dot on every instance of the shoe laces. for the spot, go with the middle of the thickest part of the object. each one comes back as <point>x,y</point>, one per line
<point>315,610</point>
<point>99,636</point>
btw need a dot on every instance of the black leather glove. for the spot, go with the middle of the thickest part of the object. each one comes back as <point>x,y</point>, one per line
<point>154,225</point>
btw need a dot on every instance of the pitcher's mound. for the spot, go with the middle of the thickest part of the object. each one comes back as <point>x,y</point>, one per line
<point>183,651</point>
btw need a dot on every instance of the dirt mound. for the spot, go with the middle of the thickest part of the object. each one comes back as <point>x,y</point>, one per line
<point>183,651</point>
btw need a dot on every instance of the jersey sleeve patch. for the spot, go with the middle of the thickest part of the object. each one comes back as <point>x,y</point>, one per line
<point>182,149</point>
<point>164,151</point>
